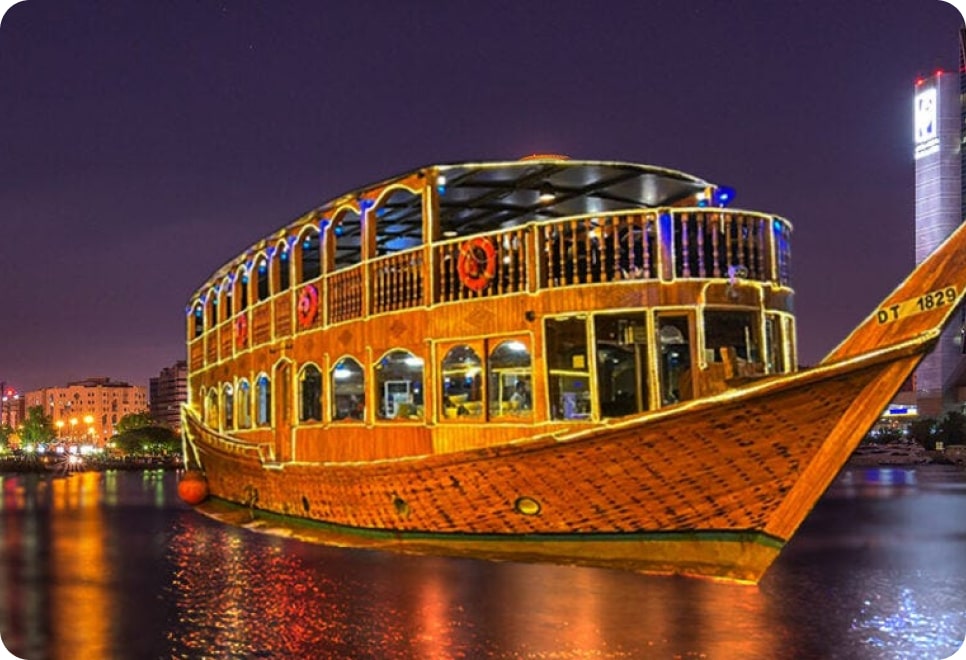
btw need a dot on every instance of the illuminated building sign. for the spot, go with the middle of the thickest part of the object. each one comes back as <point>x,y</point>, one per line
<point>927,137</point>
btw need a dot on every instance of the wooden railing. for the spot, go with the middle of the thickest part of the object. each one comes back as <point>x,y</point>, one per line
<point>718,243</point>
<point>509,250</point>
<point>397,281</point>
<point>588,250</point>
<point>344,294</point>
<point>646,245</point>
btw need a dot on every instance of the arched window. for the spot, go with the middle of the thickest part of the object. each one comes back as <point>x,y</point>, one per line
<point>403,211</point>
<point>346,236</point>
<point>509,388</point>
<point>310,394</point>
<point>223,301</point>
<point>228,404</point>
<point>263,401</point>
<point>241,290</point>
<point>211,309</point>
<point>311,256</point>
<point>462,391</point>
<point>197,321</point>
<point>282,263</point>
<point>348,390</point>
<point>399,386</point>
<point>244,396</point>
<point>261,278</point>
<point>211,408</point>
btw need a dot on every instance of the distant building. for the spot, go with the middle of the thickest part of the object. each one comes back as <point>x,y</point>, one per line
<point>168,391</point>
<point>89,410</point>
<point>13,407</point>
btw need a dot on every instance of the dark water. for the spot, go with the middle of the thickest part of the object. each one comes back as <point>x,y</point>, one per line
<point>113,566</point>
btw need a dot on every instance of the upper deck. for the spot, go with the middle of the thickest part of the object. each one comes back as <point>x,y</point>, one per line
<point>550,223</point>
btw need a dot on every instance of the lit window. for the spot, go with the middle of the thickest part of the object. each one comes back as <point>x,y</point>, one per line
<point>263,401</point>
<point>348,391</point>
<point>310,394</point>
<point>399,386</point>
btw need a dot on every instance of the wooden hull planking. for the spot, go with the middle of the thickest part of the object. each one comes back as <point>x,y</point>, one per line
<point>711,488</point>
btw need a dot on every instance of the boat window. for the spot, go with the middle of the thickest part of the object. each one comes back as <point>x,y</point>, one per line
<point>228,401</point>
<point>311,263</point>
<point>674,338</point>
<point>462,378</point>
<point>211,408</point>
<point>244,396</point>
<point>310,394</point>
<point>568,369</point>
<point>621,351</point>
<point>241,291</point>
<point>263,401</point>
<point>347,240</point>
<point>731,338</point>
<point>399,222</point>
<point>348,391</point>
<point>261,278</point>
<point>282,267</point>
<point>399,386</point>
<point>510,382</point>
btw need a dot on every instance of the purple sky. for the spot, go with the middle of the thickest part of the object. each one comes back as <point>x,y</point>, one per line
<point>144,144</point>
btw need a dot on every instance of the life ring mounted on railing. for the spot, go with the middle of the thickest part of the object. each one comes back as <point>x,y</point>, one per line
<point>241,332</point>
<point>477,263</point>
<point>308,306</point>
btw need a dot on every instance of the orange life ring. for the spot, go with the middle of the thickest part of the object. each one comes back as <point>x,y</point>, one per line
<point>477,263</point>
<point>241,331</point>
<point>308,306</point>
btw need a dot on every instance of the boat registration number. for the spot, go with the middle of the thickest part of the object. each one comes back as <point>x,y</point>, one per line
<point>925,303</point>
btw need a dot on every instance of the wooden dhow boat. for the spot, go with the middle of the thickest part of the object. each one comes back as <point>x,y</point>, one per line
<point>548,359</point>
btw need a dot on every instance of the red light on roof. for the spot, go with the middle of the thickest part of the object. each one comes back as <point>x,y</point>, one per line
<point>939,72</point>
<point>919,81</point>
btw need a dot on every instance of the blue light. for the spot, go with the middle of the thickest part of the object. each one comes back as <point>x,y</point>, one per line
<point>723,195</point>
<point>338,231</point>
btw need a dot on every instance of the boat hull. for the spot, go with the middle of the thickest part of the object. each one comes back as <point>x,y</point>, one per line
<point>711,488</point>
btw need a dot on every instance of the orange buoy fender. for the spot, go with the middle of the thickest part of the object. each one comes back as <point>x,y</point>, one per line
<point>476,265</point>
<point>193,487</point>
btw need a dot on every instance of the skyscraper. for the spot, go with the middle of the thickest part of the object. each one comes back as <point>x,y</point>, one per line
<point>938,136</point>
<point>167,392</point>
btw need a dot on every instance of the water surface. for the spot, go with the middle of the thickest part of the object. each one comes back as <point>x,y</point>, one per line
<point>112,565</point>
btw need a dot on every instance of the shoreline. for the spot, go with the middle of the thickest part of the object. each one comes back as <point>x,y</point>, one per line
<point>60,464</point>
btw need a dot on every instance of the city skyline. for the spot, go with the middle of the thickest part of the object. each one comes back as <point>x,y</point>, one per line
<point>148,146</point>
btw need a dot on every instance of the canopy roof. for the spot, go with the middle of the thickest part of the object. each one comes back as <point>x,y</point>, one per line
<point>479,197</point>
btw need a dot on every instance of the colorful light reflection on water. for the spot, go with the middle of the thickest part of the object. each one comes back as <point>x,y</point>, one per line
<point>112,566</point>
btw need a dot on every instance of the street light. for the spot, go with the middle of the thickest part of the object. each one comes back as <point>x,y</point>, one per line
<point>60,428</point>
<point>73,426</point>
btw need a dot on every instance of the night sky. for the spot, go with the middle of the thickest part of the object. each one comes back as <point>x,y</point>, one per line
<point>144,144</point>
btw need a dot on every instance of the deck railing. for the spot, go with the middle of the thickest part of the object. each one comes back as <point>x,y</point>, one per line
<point>397,281</point>
<point>716,243</point>
<point>344,294</point>
<point>583,250</point>
<point>510,250</point>
<point>588,250</point>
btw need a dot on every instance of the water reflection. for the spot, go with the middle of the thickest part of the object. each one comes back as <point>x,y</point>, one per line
<point>111,566</point>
